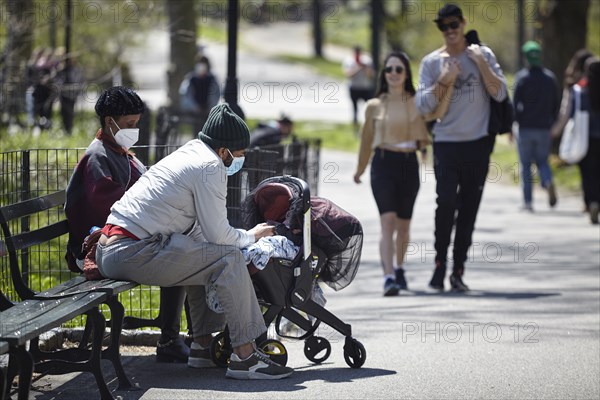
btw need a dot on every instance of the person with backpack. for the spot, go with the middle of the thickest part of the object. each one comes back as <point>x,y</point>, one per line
<point>461,143</point>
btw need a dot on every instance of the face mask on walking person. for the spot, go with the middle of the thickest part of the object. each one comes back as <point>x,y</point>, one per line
<point>125,137</point>
<point>236,164</point>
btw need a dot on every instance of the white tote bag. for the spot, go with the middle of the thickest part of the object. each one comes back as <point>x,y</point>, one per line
<point>574,142</point>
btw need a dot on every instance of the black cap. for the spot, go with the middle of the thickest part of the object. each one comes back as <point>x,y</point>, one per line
<point>449,10</point>
<point>284,119</point>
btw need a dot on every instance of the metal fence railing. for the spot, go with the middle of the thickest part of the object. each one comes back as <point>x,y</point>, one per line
<point>26,174</point>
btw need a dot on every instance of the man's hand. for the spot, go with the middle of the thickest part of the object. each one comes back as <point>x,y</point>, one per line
<point>357,178</point>
<point>475,54</point>
<point>450,71</point>
<point>262,230</point>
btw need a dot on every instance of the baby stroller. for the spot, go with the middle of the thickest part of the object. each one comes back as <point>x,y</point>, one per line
<point>330,241</point>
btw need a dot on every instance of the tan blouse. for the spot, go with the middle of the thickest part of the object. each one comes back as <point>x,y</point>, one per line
<point>390,120</point>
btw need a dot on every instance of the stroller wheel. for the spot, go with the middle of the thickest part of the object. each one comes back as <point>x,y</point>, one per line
<point>354,353</point>
<point>314,347</point>
<point>219,351</point>
<point>275,350</point>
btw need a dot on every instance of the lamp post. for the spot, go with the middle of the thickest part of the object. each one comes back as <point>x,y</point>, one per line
<point>376,22</point>
<point>231,84</point>
<point>69,17</point>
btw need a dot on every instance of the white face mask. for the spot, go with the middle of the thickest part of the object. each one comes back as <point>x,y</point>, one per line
<point>125,137</point>
<point>236,164</point>
<point>201,68</point>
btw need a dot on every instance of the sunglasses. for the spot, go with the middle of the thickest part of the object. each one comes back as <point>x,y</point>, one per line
<point>452,25</point>
<point>399,69</point>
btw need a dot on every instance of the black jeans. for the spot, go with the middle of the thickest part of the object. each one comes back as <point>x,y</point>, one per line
<point>460,171</point>
<point>171,306</point>
<point>359,94</point>
<point>589,168</point>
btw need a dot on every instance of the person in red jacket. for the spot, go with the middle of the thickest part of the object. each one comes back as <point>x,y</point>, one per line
<point>104,173</point>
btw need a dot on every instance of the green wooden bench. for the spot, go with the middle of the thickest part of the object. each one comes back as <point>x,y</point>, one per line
<point>29,228</point>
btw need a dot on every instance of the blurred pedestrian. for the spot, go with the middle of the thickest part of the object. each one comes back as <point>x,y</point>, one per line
<point>199,92</point>
<point>360,72</point>
<point>70,84</point>
<point>536,105</point>
<point>392,133</point>
<point>43,93</point>
<point>585,95</point>
<point>461,143</point>
<point>589,167</point>
<point>31,79</point>
<point>272,132</point>
<point>573,74</point>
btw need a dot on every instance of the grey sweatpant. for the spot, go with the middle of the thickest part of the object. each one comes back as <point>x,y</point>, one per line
<point>179,260</point>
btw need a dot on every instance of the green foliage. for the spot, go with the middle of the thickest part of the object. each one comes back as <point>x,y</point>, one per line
<point>338,136</point>
<point>349,26</point>
<point>85,127</point>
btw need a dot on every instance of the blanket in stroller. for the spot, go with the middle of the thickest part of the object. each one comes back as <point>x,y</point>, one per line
<point>258,255</point>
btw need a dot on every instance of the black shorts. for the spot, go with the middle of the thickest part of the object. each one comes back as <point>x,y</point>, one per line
<point>395,182</point>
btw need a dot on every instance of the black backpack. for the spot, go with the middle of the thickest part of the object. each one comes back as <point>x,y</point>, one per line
<point>501,113</point>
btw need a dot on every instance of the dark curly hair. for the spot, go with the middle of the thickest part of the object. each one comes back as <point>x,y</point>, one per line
<point>117,101</point>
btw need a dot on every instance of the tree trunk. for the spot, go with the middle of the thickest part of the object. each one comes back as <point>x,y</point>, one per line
<point>182,30</point>
<point>17,52</point>
<point>564,31</point>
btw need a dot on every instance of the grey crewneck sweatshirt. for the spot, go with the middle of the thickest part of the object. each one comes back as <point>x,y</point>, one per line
<point>469,111</point>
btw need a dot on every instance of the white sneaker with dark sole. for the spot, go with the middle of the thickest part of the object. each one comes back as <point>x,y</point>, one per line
<point>257,366</point>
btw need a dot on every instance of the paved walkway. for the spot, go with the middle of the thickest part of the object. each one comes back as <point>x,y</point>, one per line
<point>528,329</point>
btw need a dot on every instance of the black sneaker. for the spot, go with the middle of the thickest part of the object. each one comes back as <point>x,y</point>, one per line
<point>257,366</point>
<point>199,357</point>
<point>594,211</point>
<point>400,279</point>
<point>390,287</point>
<point>437,281</point>
<point>552,195</point>
<point>457,284</point>
<point>173,351</point>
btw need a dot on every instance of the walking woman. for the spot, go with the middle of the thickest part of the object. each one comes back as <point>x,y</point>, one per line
<point>392,133</point>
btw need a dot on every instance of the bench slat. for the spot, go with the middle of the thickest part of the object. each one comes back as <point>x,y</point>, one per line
<point>80,284</point>
<point>33,206</point>
<point>45,234</point>
<point>28,319</point>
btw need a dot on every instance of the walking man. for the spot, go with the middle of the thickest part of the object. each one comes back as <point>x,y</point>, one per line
<point>460,137</point>
<point>536,108</point>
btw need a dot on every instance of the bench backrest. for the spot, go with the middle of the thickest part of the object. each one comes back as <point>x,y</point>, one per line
<point>34,229</point>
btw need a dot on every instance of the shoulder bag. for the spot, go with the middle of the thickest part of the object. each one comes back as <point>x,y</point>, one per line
<point>574,142</point>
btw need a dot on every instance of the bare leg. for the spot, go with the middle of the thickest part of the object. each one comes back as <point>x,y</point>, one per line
<point>386,242</point>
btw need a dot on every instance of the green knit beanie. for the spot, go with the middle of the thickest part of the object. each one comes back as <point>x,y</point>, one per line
<point>224,128</point>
